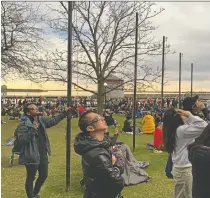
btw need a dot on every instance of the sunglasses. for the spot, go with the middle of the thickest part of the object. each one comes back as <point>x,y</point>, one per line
<point>96,119</point>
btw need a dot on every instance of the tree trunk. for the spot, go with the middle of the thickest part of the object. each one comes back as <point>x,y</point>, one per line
<point>100,97</point>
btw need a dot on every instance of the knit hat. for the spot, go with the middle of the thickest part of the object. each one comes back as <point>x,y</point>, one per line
<point>189,102</point>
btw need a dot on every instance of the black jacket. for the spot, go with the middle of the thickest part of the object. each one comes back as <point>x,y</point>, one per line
<point>102,179</point>
<point>201,177</point>
<point>199,156</point>
<point>127,126</point>
<point>27,137</point>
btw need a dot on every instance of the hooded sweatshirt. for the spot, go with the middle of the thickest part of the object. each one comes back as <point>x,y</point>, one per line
<point>148,124</point>
<point>185,135</point>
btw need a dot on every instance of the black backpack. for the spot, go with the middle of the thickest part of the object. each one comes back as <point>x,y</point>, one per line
<point>200,154</point>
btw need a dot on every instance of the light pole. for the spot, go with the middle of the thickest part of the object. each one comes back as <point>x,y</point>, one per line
<point>191,79</point>
<point>135,81</point>
<point>163,68</point>
<point>180,80</point>
<point>69,96</point>
<point>105,85</point>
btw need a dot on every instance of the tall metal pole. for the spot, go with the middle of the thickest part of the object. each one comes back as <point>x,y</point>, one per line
<point>191,79</point>
<point>69,102</point>
<point>180,67</point>
<point>105,99</point>
<point>163,68</point>
<point>135,79</point>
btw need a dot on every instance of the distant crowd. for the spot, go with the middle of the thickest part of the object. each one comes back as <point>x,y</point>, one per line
<point>79,105</point>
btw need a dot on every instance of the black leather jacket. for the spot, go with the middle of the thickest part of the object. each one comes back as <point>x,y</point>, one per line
<point>102,179</point>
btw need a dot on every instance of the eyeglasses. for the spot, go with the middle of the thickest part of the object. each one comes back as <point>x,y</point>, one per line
<point>96,119</point>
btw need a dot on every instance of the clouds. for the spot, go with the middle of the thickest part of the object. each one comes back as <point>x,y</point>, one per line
<point>187,27</point>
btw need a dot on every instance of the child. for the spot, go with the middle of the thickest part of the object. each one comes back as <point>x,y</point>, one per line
<point>158,138</point>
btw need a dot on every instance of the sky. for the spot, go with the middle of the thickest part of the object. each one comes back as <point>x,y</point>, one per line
<point>187,28</point>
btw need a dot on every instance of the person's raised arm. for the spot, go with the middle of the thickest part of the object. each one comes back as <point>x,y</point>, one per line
<point>54,120</point>
<point>194,125</point>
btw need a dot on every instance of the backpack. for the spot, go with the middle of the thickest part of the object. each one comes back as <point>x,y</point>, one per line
<point>17,146</point>
<point>200,154</point>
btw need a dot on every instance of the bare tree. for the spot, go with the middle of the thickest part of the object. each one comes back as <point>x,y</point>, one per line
<point>104,35</point>
<point>20,38</point>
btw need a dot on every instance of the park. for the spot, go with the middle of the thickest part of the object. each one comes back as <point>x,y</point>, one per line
<point>123,60</point>
<point>160,186</point>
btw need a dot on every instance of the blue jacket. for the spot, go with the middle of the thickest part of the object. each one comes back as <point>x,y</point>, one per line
<point>27,137</point>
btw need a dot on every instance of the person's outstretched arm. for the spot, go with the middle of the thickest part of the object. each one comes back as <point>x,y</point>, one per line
<point>54,120</point>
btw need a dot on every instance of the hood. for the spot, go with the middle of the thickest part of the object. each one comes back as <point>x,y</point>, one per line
<point>148,118</point>
<point>26,120</point>
<point>84,142</point>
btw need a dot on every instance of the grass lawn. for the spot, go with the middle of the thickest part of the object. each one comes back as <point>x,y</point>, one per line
<point>13,178</point>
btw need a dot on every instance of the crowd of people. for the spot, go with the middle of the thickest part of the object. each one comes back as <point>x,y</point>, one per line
<point>107,164</point>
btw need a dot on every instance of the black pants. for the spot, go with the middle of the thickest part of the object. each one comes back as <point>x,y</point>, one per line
<point>42,168</point>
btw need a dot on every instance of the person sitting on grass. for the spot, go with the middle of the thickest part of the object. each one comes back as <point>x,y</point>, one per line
<point>127,124</point>
<point>109,119</point>
<point>81,109</point>
<point>148,124</point>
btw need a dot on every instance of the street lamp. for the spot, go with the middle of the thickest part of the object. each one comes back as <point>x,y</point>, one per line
<point>105,85</point>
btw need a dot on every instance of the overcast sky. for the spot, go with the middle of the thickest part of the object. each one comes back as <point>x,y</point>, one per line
<point>187,26</point>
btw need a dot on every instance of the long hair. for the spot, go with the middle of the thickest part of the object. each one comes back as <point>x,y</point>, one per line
<point>171,121</point>
<point>202,140</point>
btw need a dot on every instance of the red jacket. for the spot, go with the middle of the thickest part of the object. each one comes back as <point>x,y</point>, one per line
<point>81,109</point>
<point>158,137</point>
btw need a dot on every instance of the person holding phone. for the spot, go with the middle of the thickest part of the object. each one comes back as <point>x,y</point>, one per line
<point>35,145</point>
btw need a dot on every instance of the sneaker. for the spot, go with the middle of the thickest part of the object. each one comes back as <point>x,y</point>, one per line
<point>36,196</point>
<point>156,151</point>
<point>3,122</point>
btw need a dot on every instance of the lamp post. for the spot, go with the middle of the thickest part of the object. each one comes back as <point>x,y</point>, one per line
<point>105,85</point>
<point>69,96</point>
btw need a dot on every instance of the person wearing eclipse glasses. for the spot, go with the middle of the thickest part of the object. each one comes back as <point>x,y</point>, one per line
<point>101,169</point>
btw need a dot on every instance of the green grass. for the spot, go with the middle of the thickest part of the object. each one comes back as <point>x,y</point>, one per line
<point>13,178</point>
